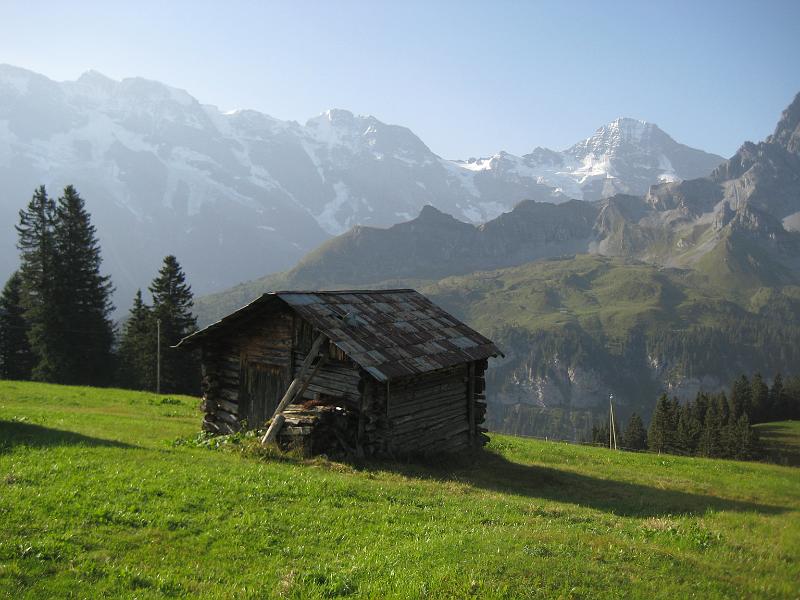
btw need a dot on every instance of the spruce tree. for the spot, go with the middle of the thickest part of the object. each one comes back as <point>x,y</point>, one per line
<point>16,359</point>
<point>635,436</point>
<point>740,400</point>
<point>727,422</point>
<point>789,407</point>
<point>600,434</point>
<point>744,440</point>
<point>775,402</point>
<point>711,437</point>
<point>700,407</point>
<point>84,295</point>
<point>172,305</point>
<point>672,425</point>
<point>658,436</point>
<point>38,269</point>
<point>689,430</point>
<point>759,399</point>
<point>137,351</point>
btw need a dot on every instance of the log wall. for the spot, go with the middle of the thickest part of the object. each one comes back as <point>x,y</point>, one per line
<point>441,411</point>
<point>253,357</point>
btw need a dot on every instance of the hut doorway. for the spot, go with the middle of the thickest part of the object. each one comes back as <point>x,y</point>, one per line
<point>262,387</point>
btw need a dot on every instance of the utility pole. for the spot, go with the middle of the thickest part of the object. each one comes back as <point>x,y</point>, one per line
<point>158,356</point>
<point>612,430</point>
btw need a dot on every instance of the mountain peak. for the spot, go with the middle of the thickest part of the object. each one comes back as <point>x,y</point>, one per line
<point>92,76</point>
<point>338,115</point>
<point>787,132</point>
<point>626,129</point>
<point>431,213</point>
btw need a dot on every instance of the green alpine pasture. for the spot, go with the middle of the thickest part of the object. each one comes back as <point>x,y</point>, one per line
<point>104,494</point>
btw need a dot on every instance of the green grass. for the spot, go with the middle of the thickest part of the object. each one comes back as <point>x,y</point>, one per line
<point>781,441</point>
<point>97,500</point>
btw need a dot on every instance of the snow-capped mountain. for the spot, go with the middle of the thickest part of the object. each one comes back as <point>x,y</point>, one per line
<point>237,194</point>
<point>626,156</point>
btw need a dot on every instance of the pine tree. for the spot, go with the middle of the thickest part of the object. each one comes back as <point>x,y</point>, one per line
<point>689,430</point>
<point>711,438</point>
<point>635,436</point>
<point>172,305</point>
<point>776,399</point>
<point>744,440</point>
<point>38,269</point>
<point>16,359</point>
<point>600,434</point>
<point>789,407</point>
<point>137,351</point>
<point>759,399</point>
<point>740,400</point>
<point>658,436</point>
<point>674,407</point>
<point>84,294</point>
<point>727,423</point>
<point>700,407</point>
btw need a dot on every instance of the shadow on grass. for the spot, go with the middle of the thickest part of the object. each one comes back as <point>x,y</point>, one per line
<point>780,444</point>
<point>14,433</point>
<point>494,472</point>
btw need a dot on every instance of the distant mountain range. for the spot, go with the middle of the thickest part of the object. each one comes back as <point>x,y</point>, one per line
<point>238,193</point>
<point>681,288</point>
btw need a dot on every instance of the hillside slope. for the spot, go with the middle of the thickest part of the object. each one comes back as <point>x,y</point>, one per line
<point>97,500</point>
<point>681,289</point>
<point>576,330</point>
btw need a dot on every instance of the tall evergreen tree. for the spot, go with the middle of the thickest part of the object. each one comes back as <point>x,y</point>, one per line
<point>776,399</point>
<point>16,359</point>
<point>172,306</point>
<point>38,269</point>
<point>137,351</point>
<point>635,436</point>
<point>740,399</point>
<point>600,433</point>
<point>84,294</point>
<point>744,439</point>
<point>689,430</point>
<point>711,438</point>
<point>700,407</point>
<point>759,399</point>
<point>659,436</point>
<point>789,407</point>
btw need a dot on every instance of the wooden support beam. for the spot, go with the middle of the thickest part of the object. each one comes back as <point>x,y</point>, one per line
<point>297,387</point>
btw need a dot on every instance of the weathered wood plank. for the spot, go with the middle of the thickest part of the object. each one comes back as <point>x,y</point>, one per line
<point>297,387</point>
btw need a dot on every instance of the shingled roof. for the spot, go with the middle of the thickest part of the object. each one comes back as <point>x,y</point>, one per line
<point>389,333</point>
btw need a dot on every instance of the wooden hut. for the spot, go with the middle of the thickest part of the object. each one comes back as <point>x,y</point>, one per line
<point>384,373</point>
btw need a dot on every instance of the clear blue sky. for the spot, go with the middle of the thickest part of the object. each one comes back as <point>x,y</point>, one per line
<point>470,78</point>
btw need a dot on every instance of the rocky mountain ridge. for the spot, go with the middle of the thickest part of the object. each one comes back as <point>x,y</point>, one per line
<point>239,193</point>
<point>680,289</point>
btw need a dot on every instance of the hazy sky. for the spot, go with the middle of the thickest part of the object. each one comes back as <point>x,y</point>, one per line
<point>470,78</point>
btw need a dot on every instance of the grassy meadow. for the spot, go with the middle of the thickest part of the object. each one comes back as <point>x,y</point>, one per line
<point>98,500</point>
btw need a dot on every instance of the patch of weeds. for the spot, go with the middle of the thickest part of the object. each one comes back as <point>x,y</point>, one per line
<point>691,532</point>
<point>542,551</point>
<point>119,517</point>
<point>166,401</point>
<point>135,580</point>
<point>330,585</point>
<point>49,552</point>
<point>247,442</point>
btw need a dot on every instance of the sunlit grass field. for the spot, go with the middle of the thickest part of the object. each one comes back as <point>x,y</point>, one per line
<point>97,499</point>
